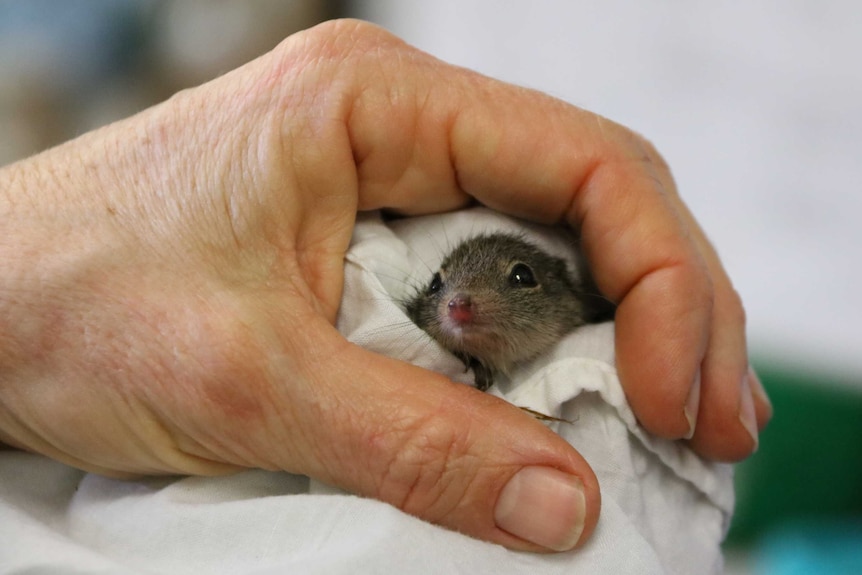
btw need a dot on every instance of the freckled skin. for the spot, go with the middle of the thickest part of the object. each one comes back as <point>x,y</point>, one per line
<point>496,301</point>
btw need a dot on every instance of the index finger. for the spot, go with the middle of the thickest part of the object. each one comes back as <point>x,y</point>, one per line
<point>428,137</point>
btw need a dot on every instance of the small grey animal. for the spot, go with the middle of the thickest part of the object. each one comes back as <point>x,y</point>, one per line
<point>499,300</point>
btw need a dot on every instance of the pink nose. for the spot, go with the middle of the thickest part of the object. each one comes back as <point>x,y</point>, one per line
<point>461,308</point>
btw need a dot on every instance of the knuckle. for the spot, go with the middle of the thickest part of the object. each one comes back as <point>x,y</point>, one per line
<point>337,39</point>
<point>732,307</point>
<point>697,284</point>
<point>429,472</point>
<point>652,154</point>
<point>703,290</point>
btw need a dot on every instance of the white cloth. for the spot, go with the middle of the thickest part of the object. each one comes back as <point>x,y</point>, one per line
<point>664,510</point>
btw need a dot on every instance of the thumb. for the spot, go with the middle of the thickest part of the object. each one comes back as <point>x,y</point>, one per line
<point>444,452</point>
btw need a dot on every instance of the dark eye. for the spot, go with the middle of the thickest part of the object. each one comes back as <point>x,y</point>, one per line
<point>436,284</point>
<point>522,276</point>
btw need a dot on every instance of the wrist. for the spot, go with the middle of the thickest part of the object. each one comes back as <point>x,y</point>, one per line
<point>40,253</point>
<point>16,290</point>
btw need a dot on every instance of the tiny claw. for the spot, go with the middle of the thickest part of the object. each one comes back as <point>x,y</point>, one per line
<point>542,417</point>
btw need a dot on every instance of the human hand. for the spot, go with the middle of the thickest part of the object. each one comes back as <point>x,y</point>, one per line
<point>170,283</point>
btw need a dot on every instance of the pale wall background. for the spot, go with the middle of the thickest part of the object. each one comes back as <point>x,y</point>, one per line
<point>757,107</point>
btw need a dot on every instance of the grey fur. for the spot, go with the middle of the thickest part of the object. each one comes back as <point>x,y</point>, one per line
<point>512,323</point>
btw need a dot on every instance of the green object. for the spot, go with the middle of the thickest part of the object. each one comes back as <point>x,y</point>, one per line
<point>809,465</point>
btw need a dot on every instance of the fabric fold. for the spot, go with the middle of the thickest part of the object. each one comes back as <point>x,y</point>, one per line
<point>665,511</point>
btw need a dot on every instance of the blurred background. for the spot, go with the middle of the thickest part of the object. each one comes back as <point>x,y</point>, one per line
<point>756,106</point>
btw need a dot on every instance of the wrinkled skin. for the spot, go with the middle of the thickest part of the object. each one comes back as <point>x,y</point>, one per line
<point>169,282</point>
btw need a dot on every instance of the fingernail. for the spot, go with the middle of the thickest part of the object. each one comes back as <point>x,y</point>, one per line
<point>747,416</point>
<point>759,392</point>
<point>692,405</point>
<point>544,506</point>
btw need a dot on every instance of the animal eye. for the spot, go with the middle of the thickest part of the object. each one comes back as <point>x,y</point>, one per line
<point>436,284</point>
<point>522,276</point>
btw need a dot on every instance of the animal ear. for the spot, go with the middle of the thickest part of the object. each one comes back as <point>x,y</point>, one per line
<point>597,308</point>
<point>560,269</point>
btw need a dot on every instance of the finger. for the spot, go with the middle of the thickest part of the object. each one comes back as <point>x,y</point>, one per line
<point>733,406</point>
<point>527,154</point>
<point>530,155</point>
<point>762,403</point>
<point>438,450</point>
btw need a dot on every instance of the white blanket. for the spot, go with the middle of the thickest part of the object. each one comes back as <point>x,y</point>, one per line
<point>664,510</point>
